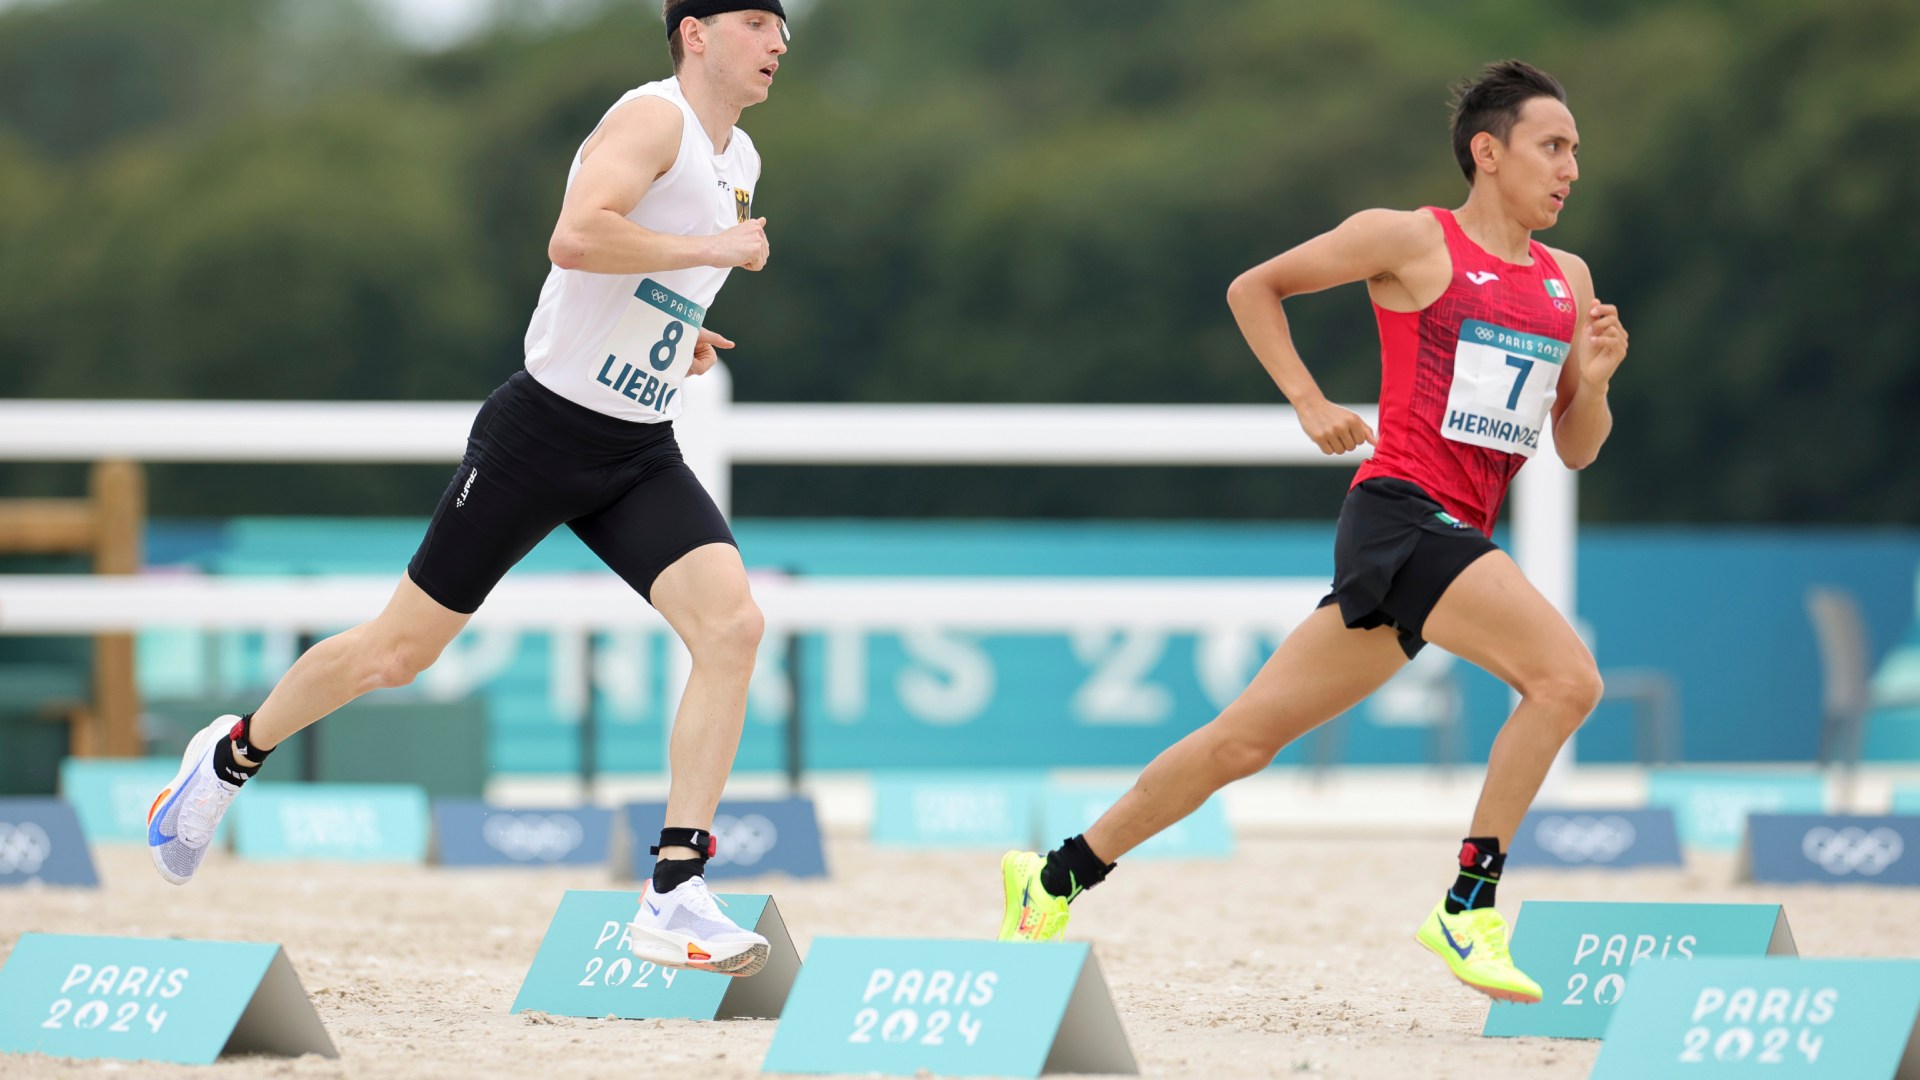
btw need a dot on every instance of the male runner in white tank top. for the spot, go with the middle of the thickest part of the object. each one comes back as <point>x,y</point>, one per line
<point>657,214</point>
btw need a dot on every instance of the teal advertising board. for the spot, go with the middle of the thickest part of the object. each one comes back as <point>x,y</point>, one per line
<point>1100,697</point>
<point>985,809</point>
<point>905,1006</point>
<point>1203,834</point>
<point>1711,806</point>
<point>112,796</point>
<point>153,999</point>
<point>346,822</point>
<point>585,968</point>
<point>1722,1019</point>
<point>1583,955</point>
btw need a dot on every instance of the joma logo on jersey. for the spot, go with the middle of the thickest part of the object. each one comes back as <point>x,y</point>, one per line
<point>742,204</point>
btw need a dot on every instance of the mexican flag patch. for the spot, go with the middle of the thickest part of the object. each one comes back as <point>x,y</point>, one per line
<point>1558,289</point>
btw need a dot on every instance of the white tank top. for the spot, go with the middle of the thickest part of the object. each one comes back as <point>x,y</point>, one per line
<point>621,344</point>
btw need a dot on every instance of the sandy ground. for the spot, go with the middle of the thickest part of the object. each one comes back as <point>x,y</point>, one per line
<point>1224,969</point>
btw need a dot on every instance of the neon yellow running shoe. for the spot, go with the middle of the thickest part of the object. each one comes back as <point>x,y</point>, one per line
<point>1032,913</point>
<point>1474,945</point>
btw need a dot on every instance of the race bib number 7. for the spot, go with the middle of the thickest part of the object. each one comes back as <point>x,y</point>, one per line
<point>651,348</point>
<point>1503,386</point>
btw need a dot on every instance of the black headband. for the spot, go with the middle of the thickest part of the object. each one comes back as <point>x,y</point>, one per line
<point>703,9</point>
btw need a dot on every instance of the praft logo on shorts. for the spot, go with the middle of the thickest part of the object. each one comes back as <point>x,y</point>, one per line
<point>466,487</point>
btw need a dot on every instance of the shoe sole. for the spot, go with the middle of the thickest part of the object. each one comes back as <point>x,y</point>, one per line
<point>650,945</point>
<point>1496,993</point>
<point>196,750</point>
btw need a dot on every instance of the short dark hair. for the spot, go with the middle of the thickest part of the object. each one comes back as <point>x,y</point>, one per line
<point>676,44</point>
<point>1492,103</point>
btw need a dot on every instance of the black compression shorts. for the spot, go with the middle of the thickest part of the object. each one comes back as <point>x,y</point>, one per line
<point>1394,554</point>
<point>536,461</point>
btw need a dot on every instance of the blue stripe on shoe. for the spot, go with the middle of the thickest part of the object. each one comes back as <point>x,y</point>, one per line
<point>155,837</point>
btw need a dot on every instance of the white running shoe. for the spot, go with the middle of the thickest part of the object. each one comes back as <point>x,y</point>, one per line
<point>182,820</point>
<point>683,928</point>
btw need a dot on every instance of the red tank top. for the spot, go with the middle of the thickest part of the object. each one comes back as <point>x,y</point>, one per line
<point>1467,383</point>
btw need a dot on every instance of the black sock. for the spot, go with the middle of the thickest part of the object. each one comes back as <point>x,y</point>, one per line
<point>670,874</point>
<point>1480,866</point>
<point>239,741</point>
<point>1073,868</point>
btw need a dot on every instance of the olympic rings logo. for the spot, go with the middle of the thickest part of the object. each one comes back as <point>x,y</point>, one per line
<point>743,840</point>
<point>532,837</point>
<point>1852,850</point>
<point>1483,333</point>
<point>24,848</point>
<point>1581,838</point>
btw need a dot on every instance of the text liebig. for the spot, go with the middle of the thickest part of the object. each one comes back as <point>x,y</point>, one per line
<point>636,385</point>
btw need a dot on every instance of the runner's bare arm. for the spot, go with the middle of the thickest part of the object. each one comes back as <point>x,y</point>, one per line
<point>1374,246</point>
<point>633,148</point>
<point>1581,419</point>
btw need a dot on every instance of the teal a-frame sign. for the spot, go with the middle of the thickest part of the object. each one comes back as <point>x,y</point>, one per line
<point>585,968</point>
<point>1587,956</point>
<point>906,1007</point>
<point>154,999</point>
<point>1725,1019</point>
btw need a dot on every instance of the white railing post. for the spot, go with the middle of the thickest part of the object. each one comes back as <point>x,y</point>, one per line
<point>1546,530</point>
<point>702,432</point>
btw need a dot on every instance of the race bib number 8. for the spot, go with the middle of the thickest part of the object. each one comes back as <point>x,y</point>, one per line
<point>1503,386</point>
<point>651,348</point>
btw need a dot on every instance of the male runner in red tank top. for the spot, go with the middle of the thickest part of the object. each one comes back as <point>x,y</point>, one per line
<point>1486,336</point>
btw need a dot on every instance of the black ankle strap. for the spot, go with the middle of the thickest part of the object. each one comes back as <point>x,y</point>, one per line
<point>699,840</point>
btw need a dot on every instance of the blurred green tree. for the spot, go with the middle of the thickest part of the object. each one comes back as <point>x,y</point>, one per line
<point>990,201</point>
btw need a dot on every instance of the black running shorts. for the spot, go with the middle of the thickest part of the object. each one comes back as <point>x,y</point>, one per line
<point>536,461</point>
<point>1395,553</point>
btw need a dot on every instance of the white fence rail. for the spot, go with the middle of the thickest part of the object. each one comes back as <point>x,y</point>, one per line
<point>716,434</point>
<point>52,604</point>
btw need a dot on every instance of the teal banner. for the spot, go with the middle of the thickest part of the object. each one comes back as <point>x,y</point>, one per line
<point>988,810</point>
<point>153,999</point>
<point>1096,697</point>
<point>902,1007</point>
<point>1584,954</point>
<point>112,796</point>
<point>1711,806</point>
<point>585,967</point>
<point>1203,834</point>
<point>347,822</point>
<point>1787,1019</point>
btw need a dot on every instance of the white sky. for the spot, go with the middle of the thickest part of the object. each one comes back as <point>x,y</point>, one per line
<point>436,23</point>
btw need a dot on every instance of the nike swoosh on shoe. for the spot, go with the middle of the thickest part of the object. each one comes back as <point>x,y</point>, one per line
<point>154,836</point>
